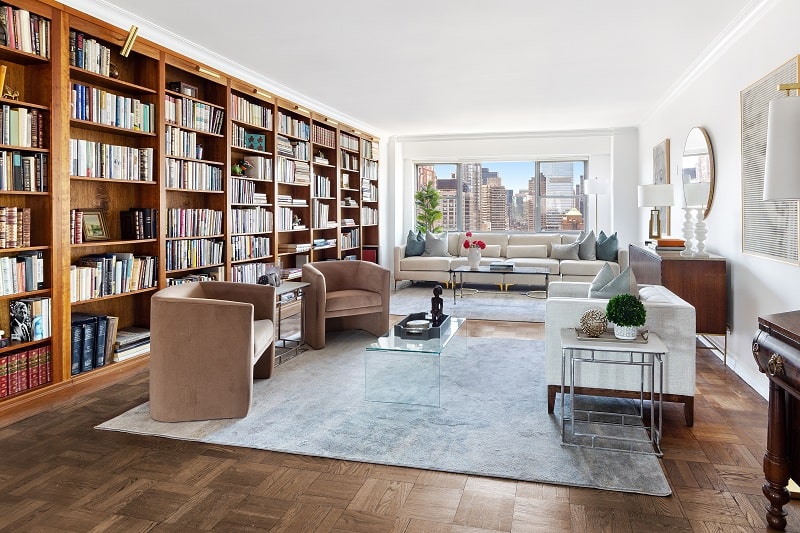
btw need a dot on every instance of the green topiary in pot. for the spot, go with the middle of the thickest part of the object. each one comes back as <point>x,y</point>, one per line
<point>627,313</point>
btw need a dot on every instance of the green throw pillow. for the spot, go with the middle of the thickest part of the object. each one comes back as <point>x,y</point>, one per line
<point>607,247</point>
<point>415,244</point>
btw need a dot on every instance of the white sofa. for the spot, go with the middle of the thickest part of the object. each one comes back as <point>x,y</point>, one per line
<point>670,317</point>
<point>523,249</point>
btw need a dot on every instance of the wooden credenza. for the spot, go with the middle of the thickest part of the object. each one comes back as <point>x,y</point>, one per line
<point>776,348</point>
<point>701,281</point>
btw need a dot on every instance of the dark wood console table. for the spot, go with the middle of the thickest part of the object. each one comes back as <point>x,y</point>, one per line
<point>776,348</point>
<point>701,281</point>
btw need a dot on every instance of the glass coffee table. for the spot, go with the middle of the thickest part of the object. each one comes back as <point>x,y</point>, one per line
<point>406,370</point>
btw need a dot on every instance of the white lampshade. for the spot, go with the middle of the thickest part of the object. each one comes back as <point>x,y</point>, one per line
<point>696,194</point>
<point>782,169</point>
<point>595,186</point>
<point>656,195</point>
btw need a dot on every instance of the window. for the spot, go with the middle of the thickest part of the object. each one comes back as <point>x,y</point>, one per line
<point>506,196</point>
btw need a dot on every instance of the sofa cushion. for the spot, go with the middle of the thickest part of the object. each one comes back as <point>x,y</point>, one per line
<point>585,269</point>
<point>351,299</point>
<point>426,263</point>
<point>548,239</point>
<point>602,287</point>
<point>415,244</point>
<point>526,250</point>
<point>565,251</point>
<point>606,247</point>
<point>552,265</point>
<point>435,245</point>
<point>586,246</point>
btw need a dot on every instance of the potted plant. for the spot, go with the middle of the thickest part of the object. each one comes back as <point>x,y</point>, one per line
<point>627,313</point>
<point>428,213</point>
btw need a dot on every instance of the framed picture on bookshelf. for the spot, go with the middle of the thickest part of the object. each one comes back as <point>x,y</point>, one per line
<point>184,88</point>
<point>94,225</point>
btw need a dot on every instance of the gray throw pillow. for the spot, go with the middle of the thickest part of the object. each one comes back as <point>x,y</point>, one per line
<point>607,248</point>
<point>625,283</point>
<point>436,245</point>
<point>586,247</point>
<point>565,251</point>
<point>415,244</point>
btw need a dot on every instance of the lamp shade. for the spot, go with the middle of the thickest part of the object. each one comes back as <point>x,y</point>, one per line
<point>595,186</point>
<point>696,194</point>
<point>782,168</point>
<point>656,195</point>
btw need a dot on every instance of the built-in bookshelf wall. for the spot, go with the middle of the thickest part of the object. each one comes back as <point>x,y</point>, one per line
<point>125,174</point>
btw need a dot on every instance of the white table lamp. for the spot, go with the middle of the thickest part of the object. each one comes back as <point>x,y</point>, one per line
<point>656,195</point>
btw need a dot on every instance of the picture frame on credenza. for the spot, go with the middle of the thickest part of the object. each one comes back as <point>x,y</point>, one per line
<point>660,177</point>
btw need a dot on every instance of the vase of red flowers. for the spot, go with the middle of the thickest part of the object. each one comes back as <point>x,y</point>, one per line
<point>473,248</point>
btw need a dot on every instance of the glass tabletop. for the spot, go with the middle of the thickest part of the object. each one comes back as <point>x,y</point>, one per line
<point>395,343</point>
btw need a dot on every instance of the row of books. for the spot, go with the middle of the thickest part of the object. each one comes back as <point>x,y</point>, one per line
<point>350,239</point>
<point>244,247</point>
<point>199,116</point>
<point>22,273</point>
<point>89,54</point>
<point>290,171</point>
<point>23,172</point>
<point>260,167</point>
<point>96,340</point>
<point>369,216</point>
<point>251,113</point>
<point>139,223</point>
<point>287,219</point>
<point>321,186</point>
<point>244,192</point>
<point>323,136</point>
<point>22,30</point>
<point>100,160</point>
<point>104,107</point>
<point>318,244</point>
<point>294,247</point>
<point>20,126</point>
<point>26,369</point>
<point>193,222</point>
<point>194,175</point>
<point>293,126</point>
<point>29,318</point>
<point>249,272</point>
<point>370,150</point>
<point>369,169</point>
<point>290,148</point>
<point>216,273</point>
<point>349,161</point>
<point>320,216</point>
<point>15,227</point>
<point>193,253</point>
<point>350,142</point>
<point>182,143</point>
<point>95,276</point>
<point>369,192</point>
<point>251,220</point>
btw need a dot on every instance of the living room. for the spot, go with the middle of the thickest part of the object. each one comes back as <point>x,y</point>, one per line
<point>741,49</point>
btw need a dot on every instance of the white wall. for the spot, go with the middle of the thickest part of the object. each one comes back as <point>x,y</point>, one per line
<point>756,286</point>
<point>609,152</point>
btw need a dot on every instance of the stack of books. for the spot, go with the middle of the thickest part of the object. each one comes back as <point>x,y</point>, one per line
<point>669,244</point>
<point>501,266</point>
<point>130,342</point>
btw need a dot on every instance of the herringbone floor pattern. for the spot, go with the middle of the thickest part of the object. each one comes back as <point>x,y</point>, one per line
<point>59,474</point>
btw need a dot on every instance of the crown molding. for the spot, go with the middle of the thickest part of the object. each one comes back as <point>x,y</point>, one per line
<point>122,18</point>
<point>744,21</point>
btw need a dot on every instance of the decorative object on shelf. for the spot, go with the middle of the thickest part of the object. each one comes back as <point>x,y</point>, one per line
<point>593,322</point>
<point>656,196</point>
<point>627,313</point>
<point>113,71</point>
<point>126,48</point>
<point>428,213</point>
<point>474,248</point>
<point>10,93</point>
<point>94,225</point>
<point>238,168</point>
<point>437,306</point>
<point>594,187</point>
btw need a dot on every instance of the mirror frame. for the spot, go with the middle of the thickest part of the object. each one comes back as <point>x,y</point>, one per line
<point>710,162</point>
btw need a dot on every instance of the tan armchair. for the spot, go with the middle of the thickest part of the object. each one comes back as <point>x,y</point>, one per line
<point>208,340</point>
<point>345,295</point>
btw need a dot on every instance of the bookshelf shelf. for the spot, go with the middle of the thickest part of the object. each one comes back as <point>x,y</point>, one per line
<point>26,294</point>
<point>114,296</point>
<point>194,269</point>
<point>16,345</point>
<point>17,148</point>
<point>23,249</point>
<point>20,57</point>
<point>250,259</point>
<point>196,160</point>
<point>80,74</point>
<point>89,125</point>
<point>251,151</point>
<point>113,180</point>
<point>109,243</point>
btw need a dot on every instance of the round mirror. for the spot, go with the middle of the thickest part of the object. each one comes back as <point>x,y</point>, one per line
<point>698,170</point>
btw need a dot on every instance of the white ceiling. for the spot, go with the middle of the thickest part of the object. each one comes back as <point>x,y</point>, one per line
<point>461,66</point>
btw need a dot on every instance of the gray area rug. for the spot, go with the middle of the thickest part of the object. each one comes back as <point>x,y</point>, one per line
<point>486,304</point>
<point>492,421</point>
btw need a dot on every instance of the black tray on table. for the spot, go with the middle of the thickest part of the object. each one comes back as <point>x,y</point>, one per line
<point>433,332</point>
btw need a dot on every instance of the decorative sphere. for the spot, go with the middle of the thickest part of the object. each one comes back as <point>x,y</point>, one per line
<point>593,322</point>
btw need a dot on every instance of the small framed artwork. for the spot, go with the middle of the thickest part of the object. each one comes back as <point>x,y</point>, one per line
<point>94,225</point>
<point>661,176</point>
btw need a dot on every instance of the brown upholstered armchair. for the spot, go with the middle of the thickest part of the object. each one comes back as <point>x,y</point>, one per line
<point>208,340</point>
<point>345,295</point>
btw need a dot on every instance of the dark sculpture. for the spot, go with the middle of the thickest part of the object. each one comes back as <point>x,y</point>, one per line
<point>437,316</point>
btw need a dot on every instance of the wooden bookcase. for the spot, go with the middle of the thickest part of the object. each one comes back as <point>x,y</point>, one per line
<point>152,160</point>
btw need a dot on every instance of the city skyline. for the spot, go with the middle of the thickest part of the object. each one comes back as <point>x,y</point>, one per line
<point>513,174</point>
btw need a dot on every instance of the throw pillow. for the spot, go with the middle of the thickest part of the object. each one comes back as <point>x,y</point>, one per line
<point>415,244</point>
<point>625,283</point>
<point>586,247</point>
<point>601,236</point>
<point>607,248</point>
<point>565,251</point>
<point>436,245</point>
<point>526,250</point>
<point>603,278</point>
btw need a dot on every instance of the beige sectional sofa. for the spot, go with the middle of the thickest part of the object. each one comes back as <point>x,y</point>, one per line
<point>523,249</point>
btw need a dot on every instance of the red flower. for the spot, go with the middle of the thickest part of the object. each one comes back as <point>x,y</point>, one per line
<point>469,234</point>
<point>466,244</point>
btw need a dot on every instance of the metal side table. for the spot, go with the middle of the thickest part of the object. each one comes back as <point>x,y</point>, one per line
<point>290,345</point>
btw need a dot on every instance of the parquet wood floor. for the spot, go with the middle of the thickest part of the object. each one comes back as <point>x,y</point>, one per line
<point>58,474</point>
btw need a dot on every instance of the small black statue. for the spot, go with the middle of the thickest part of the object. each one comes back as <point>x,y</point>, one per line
<point>437,316</point>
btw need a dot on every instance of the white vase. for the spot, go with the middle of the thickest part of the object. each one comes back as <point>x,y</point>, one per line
<point>627,333</point>
<point>474,257</point>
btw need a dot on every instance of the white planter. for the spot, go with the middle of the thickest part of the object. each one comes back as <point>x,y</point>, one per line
<point>627,333</point>
<point>474,257</point>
